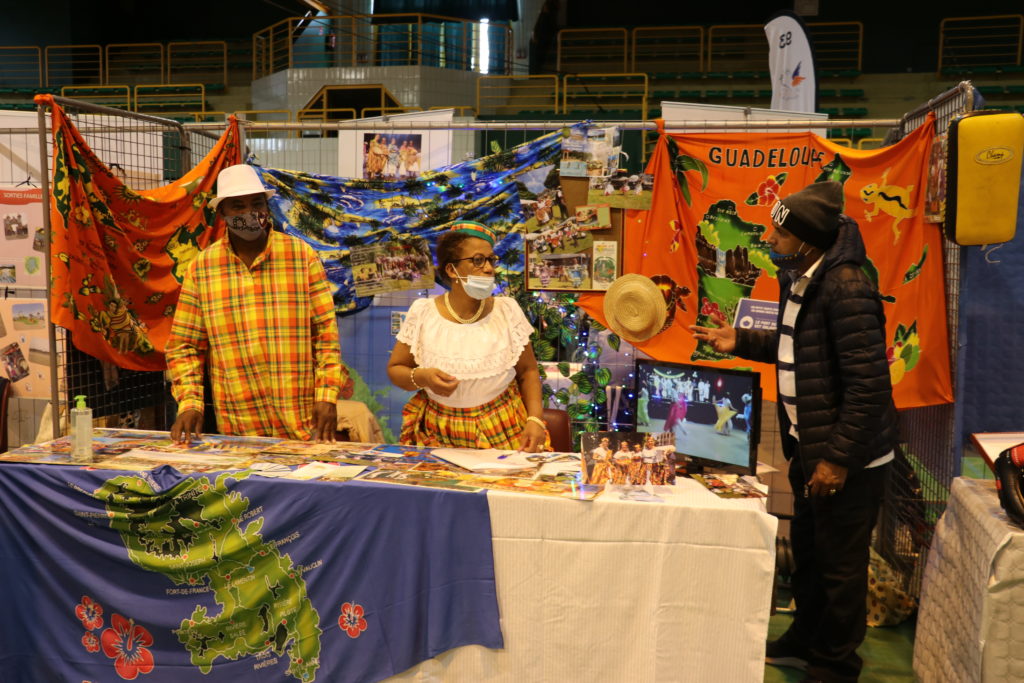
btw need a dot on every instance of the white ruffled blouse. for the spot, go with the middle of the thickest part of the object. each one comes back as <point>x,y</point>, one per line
<point>482,355</point>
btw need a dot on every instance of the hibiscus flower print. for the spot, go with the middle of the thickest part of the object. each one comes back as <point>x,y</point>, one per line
<point>91,642</point>
<point>128,644</point>
<point>351,620</point>
<point>89,613</point>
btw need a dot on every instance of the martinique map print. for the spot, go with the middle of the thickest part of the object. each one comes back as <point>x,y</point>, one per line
<point>205,538</point>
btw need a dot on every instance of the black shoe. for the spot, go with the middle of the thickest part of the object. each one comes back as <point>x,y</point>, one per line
<point>782,652</point>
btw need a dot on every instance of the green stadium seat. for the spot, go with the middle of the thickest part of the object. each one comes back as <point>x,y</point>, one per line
<point>990,90</point>
<point>718,74</point>
<point>852,92</point>
<point>826,92</point>
<point>855,112</point>
<point>747,94</point>
<point>831,111</point>
<point>689,94</point>
<point>1015,89</point>
<point>744,74</point>
<point>716,94</point>
<point>764,93</point>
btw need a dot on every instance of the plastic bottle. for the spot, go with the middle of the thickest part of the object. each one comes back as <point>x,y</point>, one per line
<point>81,431</point>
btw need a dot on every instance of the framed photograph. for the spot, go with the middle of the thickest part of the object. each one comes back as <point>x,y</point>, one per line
<point>391,156</point>
<point>626,459</point>
<point>392,267</point>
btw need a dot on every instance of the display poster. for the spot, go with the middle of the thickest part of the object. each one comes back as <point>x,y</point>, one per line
<point>588,151</point>
<point>380,153</point>
<point>24,244</point>
<point>606,263</point>
<point>394,156</point>
<point>392,267</point>
<point>935,193</point>
<point>24,347</point>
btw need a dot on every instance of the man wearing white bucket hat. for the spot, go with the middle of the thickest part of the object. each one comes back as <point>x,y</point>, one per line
<point>255,309</point>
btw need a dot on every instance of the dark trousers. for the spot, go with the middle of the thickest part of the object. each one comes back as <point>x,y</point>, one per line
<point>830,538</point>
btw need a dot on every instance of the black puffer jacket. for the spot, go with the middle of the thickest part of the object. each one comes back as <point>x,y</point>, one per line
<point>844,396</point>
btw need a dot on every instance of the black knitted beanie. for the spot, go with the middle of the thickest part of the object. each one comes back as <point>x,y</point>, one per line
<point>812,214</point>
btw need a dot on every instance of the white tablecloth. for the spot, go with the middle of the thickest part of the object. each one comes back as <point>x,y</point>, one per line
<point>615,590</point>
<point>970,626</point>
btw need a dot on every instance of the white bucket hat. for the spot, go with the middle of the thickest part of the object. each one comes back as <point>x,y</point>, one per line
<point>238,181</point>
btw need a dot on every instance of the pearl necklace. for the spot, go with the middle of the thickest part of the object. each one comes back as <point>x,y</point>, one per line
<point>464,321</point>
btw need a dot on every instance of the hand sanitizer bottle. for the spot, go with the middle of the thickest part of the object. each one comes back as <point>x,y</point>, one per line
<point>81,431</point>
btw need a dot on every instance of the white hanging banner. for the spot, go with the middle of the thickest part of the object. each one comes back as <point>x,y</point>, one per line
<point>791,61</point>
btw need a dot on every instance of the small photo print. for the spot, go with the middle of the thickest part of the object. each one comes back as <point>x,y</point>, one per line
<point>594,217</point>
<point>626,458</point>
<point>15,227</point>
<point>3,327</point>
<point>391,157</point>
<point>39,241</point>
<point>14,363</point>
<point>606,263</point>
<point>397,318</point>
<point>554,272</point>
<point>39,350</point>
<point>392,267</point>
<point>623,190</point>
<point>29,316</point>
<point>8,274</point>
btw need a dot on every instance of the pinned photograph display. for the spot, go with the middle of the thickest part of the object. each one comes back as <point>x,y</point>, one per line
<point>392,267</point>
<point>566,256</point>
<point>541,198</point>
<point>626,459</point>
<point>24,347</point>
<point>23,242</point>
<point>588,152</point>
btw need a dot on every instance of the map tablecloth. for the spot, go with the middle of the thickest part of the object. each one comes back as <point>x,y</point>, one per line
<point>227,576</point>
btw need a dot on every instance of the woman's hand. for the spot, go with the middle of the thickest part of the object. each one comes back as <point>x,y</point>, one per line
<point>533,437</point>
<point>438,381</point>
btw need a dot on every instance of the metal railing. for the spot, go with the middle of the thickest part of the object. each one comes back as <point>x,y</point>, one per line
<point>204,61</point>
<point>135,62</point>
<point>967,42</point>
<point>601,92</point>
<point>586,50</point>
<point>514,94</point>
<point>116,96</point>
<point>378,40</point>
<point>838,45</point>
<point>667,48</point>
<point>21,66</point>
<point>73,64</point>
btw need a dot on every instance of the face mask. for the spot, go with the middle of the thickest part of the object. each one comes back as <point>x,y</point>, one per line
<point>787,261</point>
<point>248,226</point>
<point>477,286</point>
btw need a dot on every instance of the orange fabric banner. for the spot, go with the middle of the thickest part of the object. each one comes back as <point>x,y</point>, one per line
<point>118,255</point>
<point>702,242</point>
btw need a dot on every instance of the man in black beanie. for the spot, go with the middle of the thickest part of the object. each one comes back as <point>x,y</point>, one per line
<point>837,422</point>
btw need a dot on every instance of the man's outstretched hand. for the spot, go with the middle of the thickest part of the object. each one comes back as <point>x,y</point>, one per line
<point>722,338</point>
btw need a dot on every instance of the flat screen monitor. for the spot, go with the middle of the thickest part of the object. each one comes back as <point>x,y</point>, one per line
<point>713,415</point>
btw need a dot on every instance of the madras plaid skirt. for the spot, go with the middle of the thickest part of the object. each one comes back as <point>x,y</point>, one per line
<point>496,424</point>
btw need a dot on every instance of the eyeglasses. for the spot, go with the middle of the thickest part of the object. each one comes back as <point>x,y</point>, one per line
<point>479,260</point>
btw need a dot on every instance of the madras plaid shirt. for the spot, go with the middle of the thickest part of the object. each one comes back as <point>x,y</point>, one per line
<point>268,333</point>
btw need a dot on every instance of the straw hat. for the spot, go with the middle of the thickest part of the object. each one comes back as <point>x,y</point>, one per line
<point>238,181</point>
<point>634,308</point>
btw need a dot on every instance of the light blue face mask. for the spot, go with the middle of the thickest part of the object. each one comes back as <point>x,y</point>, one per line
<point>477,286</point>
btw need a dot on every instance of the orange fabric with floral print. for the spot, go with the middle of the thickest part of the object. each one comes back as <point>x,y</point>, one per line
<point>118,255</point>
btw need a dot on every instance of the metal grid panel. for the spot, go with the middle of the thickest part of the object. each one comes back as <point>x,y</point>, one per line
<point>145,152</point>
<point>920,484</point>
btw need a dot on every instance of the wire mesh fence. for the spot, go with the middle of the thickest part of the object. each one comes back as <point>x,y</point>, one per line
<point>923,473</point>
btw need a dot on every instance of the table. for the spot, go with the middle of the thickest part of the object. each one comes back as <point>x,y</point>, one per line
<point>970,626</point>
<point>624,591</point>
<point>606,590</point>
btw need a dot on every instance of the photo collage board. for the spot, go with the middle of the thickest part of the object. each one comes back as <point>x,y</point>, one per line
<point>24,347</point>
<point>23,254</point>
<point>570,245</point>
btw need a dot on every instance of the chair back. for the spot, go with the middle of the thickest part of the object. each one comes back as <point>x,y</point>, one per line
<point>5,395</point>
<point>558,429</point>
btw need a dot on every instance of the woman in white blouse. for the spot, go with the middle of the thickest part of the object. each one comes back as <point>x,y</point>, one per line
<point>468,357</point>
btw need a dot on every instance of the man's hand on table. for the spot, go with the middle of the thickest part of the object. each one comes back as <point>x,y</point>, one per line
<point>187,427</point>
<point>325,421</point>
